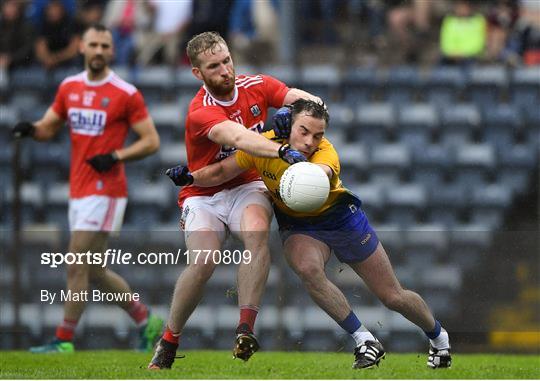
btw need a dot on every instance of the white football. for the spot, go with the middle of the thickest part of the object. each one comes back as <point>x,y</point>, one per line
<point>304,187</point>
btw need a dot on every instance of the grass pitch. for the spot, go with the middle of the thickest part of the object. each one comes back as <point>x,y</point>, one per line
<point>269,365</point>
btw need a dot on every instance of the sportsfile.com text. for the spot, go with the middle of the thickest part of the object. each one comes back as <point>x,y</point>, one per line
<point>119,257</point>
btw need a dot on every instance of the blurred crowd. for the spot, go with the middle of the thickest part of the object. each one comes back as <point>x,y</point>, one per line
<point>146,32</point>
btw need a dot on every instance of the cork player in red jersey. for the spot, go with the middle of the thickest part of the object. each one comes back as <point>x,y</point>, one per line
<point>226,114</point>
<point>99,108</point>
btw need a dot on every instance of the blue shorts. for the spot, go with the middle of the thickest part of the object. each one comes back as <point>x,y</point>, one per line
<point>344,228</point>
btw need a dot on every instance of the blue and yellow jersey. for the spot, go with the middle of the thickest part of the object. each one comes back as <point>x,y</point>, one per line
<point>271,170</point>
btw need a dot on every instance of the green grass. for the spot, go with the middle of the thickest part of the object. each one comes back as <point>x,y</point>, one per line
<point>269,365</point>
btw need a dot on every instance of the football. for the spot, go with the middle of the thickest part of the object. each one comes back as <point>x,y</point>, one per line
<point>304,187</point>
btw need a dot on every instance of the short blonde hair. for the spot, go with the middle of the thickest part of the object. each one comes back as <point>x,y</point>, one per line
<point>201,43</point>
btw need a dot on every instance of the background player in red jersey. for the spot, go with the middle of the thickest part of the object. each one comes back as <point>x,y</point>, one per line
<point>99,109</point>
<point>228,113</point>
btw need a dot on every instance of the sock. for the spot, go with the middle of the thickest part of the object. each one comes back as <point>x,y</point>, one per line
<point>436,331</point>
<point>170,336</point>
<point>356,329</point>
<point>138,312</point>
<point>248,314</point>
<point>65,331</point>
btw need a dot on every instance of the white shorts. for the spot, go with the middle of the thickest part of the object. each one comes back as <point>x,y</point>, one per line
<point>96,213</point>
<point>222,212</point>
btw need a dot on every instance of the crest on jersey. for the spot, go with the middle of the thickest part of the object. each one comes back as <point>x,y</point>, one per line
<point>105,102</point>
<point>255,110</point>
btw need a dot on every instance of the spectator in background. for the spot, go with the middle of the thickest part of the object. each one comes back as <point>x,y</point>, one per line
<point>90,12</point>
<point>463,35</point>
<point>127,20</point>
<point>170,21</point>
<point>207,15</point>
<point>254,30</point>
<point>57,43</point>
<point>501,21</point>
<point>16,36</point>
<point>408,25</point>
<point>37,7</point>
<point>527,36</point>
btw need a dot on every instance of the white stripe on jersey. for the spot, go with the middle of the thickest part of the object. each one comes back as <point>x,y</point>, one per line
<point>247,85</point>
<point>74,78</point>
<point>247,79</point>
<point>123,85</point>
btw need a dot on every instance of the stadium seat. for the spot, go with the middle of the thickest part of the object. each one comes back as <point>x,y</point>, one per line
<point>501,125</point>
<point>373,198</point>
<point>405,202</point>
<point>148,203</point>
<point>29,78</point>
<point>425,243</point>
<point>486,85</point>
<point>320,80</point>
<point>354,160</point>
<point>50,162</point>
<point>359,85</point>
<point>416,124</point>
<point>186,82</point>
<point>375,121</point>
<point>172,154</point>
<point>516,164</point>
<point>401,84</point>
<point>443,85</point>
<point>459,123</point>
<point>321,330</point>
<point>468,244</point>
<point>56,207</point>
<point>474,164</point>
<point>389,162</point>
<point>525,87</point>
<point>430,164</point>
<point>392,238</point>
<point>489,203</point>
<point>155,82</point>
<point>285,73</point>
<point>447,202</point>
<point>31,201</point>
<point>168,119</point>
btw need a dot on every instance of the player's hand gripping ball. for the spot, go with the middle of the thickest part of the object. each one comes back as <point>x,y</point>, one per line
<point>304,187</point>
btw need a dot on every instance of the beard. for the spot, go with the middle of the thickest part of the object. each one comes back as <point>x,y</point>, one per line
<point>97,64</point>
<point>220,88</point>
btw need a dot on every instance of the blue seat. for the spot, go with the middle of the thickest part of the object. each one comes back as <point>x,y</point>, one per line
<point>475,163</point>
<point>489,203</point>
<point>458,123</point>
<point>405,203</point>
<point>373,198</point>
<point>446,204</point>
<point>443,85</point>
<point>389,162</point>
<point>401,85</point>
<point>33,78</point>
<point>359,85</point>
<point>416,124</point>
<point>525,87</point>
<point>486,85</point>
<point>320,80</point>
<point>375,121</point>
<point>430,163</point>
<point>285,73</point>
<point>516,167</point>
<point>185,81</point>
<point>50,162</point>
<point>501,125</point>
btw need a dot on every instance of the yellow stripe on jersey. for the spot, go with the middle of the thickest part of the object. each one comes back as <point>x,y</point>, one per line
<point>271,170</point>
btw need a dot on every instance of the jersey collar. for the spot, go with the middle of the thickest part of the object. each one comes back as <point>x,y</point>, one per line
<point>97,83</point>
<point>224,103</point>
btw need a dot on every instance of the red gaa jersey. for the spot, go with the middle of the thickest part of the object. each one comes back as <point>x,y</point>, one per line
<point>98,114</point>
<point>253,95</point>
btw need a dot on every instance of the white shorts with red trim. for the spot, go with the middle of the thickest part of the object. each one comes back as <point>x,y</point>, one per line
<point>96,213</point>
<point>222,212</point>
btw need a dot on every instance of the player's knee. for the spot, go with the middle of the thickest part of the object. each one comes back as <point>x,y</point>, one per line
<point>310,273</point>
<point>202,271</point>
<point>393,300</point>
<point>259,225</point>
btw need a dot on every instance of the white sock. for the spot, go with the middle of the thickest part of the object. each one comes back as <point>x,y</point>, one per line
<point>361,335</point>
<point>442,341</point>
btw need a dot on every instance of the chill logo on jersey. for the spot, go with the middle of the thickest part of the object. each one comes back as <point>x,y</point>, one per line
<point>86,121</point>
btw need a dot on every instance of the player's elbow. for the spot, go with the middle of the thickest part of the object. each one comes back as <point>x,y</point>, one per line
<point>153,144</point>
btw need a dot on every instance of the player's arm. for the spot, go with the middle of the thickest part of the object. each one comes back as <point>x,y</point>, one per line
<point>43,129</point>
<point>295,94</point>
<point>209,176</point>
<point>217,173</point>
<point>147,144</point>
<point>329,172</point>
<point>233,134</point>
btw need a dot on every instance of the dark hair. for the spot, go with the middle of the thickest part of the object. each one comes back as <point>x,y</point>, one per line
<point>97,27</point>
<point>315,109</point>
<point>201,43</point>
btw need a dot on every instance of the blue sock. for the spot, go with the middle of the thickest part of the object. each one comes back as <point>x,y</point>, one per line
<point>351,323</point>
<point>435,332</point>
